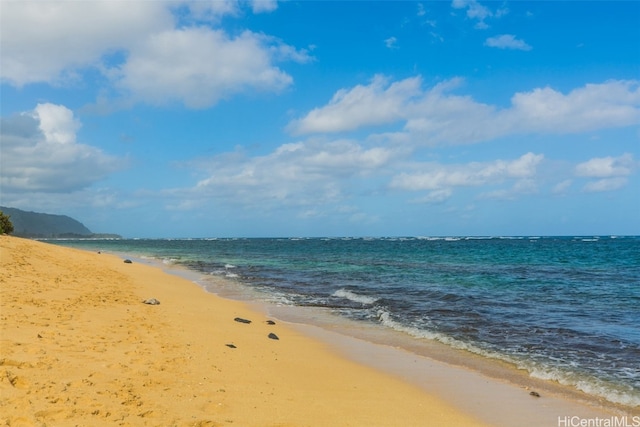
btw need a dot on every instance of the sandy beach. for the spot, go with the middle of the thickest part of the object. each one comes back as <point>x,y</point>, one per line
<point>79,347</point>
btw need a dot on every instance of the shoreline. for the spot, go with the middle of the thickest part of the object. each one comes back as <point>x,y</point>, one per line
<point>343,334</point>
<point>355,340</point>
<point>175,358</point>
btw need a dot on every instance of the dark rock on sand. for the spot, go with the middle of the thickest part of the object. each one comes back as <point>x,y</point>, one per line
<point>534,394</point>
<point>151,301</point>
<point>270,322</point>
<point>241,320</point>
<point>128,261</point>
<point>231,345</point>
<point>273,336</point>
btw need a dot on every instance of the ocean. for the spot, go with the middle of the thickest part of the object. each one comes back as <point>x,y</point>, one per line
<point>565,309</point>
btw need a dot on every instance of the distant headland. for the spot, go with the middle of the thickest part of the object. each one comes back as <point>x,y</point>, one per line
<point>38,225</point>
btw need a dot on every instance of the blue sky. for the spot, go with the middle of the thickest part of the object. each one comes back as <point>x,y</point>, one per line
<point>323,118</point>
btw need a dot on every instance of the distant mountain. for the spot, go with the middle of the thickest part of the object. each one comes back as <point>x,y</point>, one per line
<point>42,225</point>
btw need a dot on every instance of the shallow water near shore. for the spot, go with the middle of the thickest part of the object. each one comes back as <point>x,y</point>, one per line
<point>565,309</point>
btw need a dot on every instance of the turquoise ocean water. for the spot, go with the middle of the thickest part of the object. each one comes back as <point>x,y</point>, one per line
<point>562,308</point>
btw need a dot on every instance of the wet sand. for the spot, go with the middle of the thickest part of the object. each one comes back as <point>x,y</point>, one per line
<point>79,347</point>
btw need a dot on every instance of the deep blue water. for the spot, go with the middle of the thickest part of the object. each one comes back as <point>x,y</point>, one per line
<point>563,308</point>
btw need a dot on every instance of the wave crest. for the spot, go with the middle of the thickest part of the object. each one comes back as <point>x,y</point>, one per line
<point>351,296</point>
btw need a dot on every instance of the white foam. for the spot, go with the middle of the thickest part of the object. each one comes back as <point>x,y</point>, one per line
<point>229,266</point>
<point>589,385</point>
<point>351,296</point>
<point>593,386</point>
<point>386,320</point>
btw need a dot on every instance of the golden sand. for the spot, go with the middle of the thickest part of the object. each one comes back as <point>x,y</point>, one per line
<point>78,347</point>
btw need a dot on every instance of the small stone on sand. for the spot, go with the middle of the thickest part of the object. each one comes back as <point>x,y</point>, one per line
<point>273,336</point>
<point>241,320</point>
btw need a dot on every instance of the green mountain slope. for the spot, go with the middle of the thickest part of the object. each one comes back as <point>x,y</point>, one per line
<point>42,225</point>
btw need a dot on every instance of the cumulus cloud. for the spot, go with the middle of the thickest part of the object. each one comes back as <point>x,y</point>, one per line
<point>507,41</point>
<point>378,103</point>
<point>436,177</point>
<point>607,167</point>
<point>611,172</point>
<point>607,184</point>
<point>213,10</point>
<point>562,187</point>
<point>143,49</point>
<point>51,41</point>
<point>210,10</point>
<point>260,6</point>
<point>40,153</point>
<point>438,116</point>
<point>313,175</point>
<point>57,123</point>
<point>298,174</point>
<point>200,66</point>
<point>614,103</point>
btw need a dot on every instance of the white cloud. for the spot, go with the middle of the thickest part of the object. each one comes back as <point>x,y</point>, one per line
<point>40,153</point>
<point>306,173</point>
<point>607,167</point>
<point>613,103</point>
<point>612,172</point>
<point>260,6</point>
<point>374,104</point>
<point>507,41</point>
<point>139,47</point>
<point>519,187</point>
<point>437,177</point>
<point>606,184</point>
<point>57,123</point>
<point>435,196</point>
<point>391,43</point>
<point>211,10</point>
<point>200,66</point>
<point>436,116</point>
<point>50,42</point>
<point>315,174</point>
<point>475,11</point>
<point>562,187</point>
